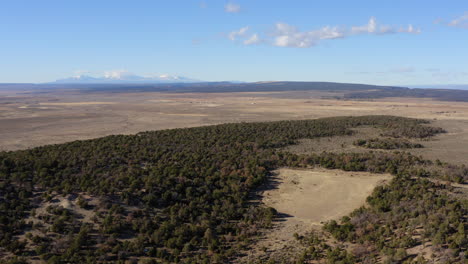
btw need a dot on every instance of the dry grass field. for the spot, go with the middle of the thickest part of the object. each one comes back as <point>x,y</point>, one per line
<point>319,195</point>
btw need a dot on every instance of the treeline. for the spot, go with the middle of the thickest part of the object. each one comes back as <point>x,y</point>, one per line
<point>412,131</point>
<point>190,187</point>
<point>396,163</point>
<point>386,143</point>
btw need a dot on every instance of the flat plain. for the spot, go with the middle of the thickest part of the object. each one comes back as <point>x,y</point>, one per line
<point>32,118</point>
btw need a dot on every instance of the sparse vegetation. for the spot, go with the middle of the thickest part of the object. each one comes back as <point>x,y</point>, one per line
<point>406,213</point>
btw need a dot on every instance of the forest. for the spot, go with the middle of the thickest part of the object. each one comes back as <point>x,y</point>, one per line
<point>181,195</point>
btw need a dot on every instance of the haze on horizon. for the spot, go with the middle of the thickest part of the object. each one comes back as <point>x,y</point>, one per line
<point>397,43</point>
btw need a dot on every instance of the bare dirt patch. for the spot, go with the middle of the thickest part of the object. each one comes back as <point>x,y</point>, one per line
<point>306,198</point>
<point>319,195</point>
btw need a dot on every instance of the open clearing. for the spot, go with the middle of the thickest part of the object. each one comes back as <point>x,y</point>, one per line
<point>319,195</point>
<point>304,199</point>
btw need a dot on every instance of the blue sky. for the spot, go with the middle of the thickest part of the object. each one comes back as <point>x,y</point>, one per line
<point>379,42</point>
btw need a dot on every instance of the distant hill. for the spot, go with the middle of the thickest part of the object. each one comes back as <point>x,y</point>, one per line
<point>351,91</point>
<point>223,87</point>
<point>438,94</point>
<point>442,86</point>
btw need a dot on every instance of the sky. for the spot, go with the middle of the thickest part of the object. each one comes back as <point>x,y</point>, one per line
<point>384,42</point>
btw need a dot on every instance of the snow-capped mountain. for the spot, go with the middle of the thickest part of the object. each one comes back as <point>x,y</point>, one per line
<point>123,77</point>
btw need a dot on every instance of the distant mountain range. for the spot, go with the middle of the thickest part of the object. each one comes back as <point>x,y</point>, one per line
<point>125,79</point>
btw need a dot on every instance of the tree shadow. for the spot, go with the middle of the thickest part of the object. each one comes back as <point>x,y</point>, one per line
<point>281,217</point>
<point>272,183</point>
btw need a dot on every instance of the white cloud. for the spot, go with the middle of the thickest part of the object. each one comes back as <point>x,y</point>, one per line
<point>285,35</point>
<point>461,21</point>
<point>289,36</point>
<point>232,8</point>
<point>410,29</point>
<point>371,27</point>
<point>254,39</point>
<point>238,33</point>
